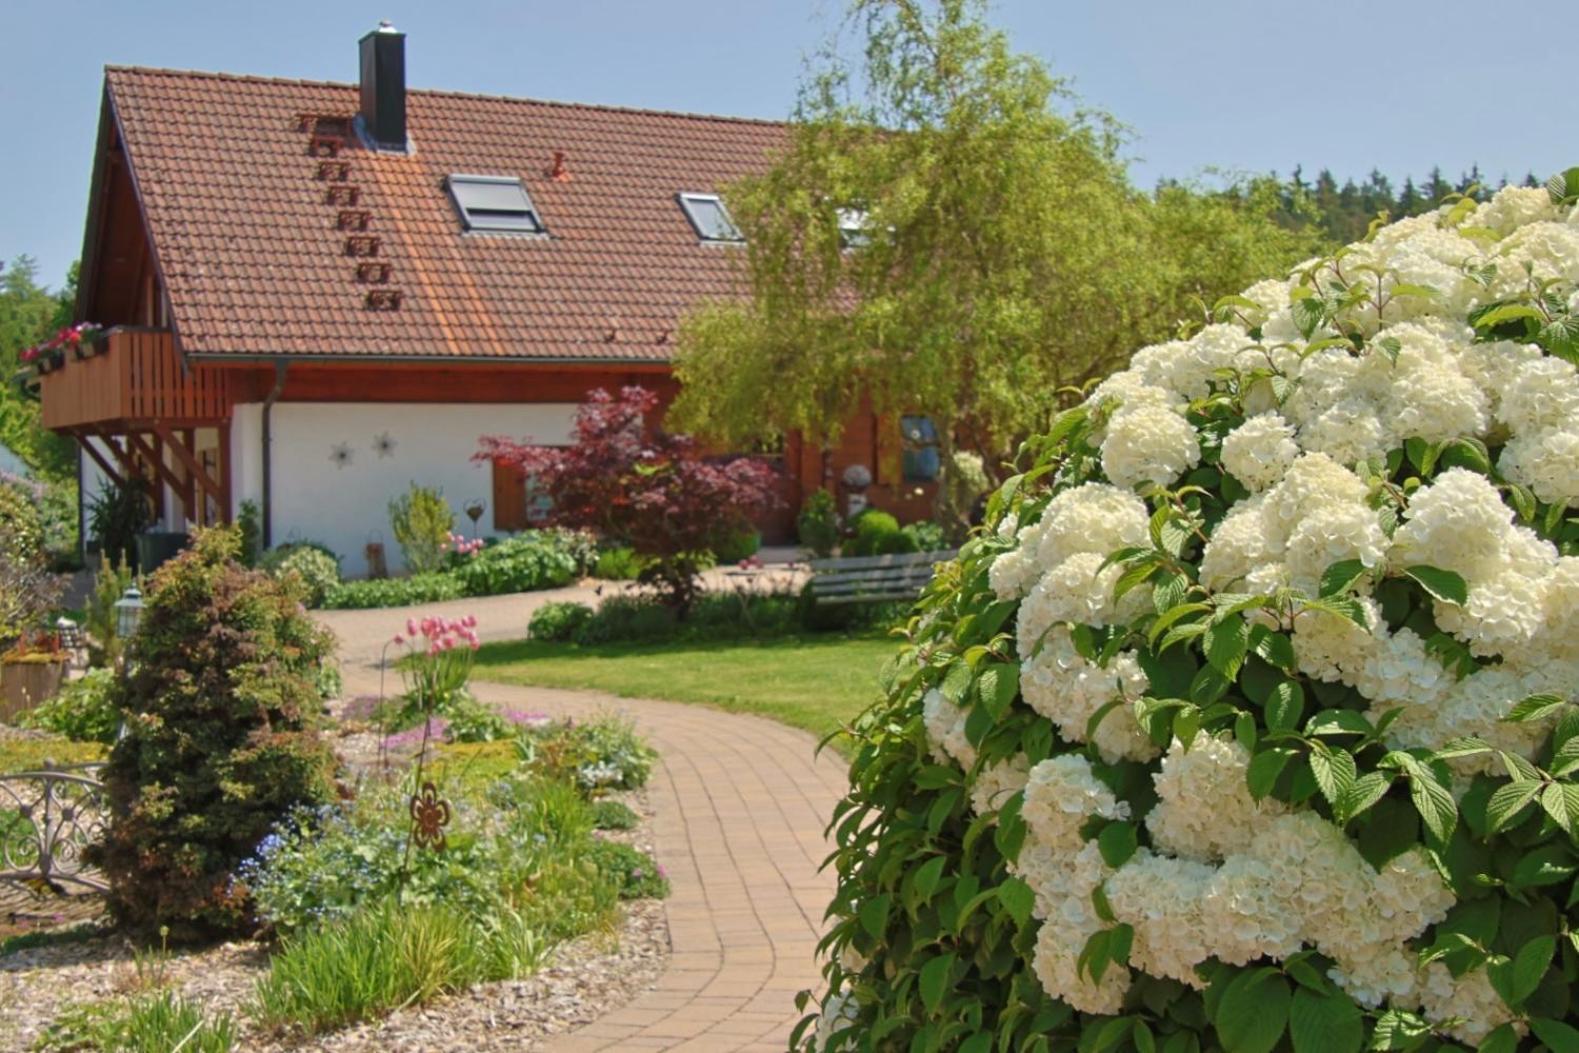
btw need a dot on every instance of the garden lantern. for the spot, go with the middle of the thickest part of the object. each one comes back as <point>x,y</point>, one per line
<point>128,612</point>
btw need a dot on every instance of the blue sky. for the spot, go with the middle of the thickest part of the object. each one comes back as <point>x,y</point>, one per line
<point>1237,84</point>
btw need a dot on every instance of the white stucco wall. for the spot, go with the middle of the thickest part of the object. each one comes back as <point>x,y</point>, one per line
<point>90,480</point>
<point>346,505</point>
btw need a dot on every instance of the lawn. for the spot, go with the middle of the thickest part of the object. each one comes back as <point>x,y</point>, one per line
<point>810,682</point>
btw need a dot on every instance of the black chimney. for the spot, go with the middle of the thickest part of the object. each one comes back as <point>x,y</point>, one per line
<point>384,87</point>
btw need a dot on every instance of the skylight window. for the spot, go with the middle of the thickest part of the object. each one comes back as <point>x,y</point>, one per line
<point>711,220</point>
<point>853,232</point>
<point>494,204</point>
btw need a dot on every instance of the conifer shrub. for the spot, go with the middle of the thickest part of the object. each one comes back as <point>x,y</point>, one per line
<point>1248,722</point>
<point>222,740</point>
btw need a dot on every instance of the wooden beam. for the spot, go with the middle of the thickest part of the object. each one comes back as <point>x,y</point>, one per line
<point>85,442</point>
<point>169,477</point>
<point>185,453</point>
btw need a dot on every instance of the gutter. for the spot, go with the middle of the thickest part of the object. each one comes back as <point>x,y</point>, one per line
<point>220,357</point>
<point>267,511</point>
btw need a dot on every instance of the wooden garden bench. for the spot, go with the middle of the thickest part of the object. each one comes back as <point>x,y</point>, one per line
<point>873,579</point>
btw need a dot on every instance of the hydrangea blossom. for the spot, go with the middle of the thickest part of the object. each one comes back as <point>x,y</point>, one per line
<point>1328,408</point>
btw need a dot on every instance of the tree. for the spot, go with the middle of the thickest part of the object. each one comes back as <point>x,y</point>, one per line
<point>650,490</point>
<point>29,312</point>
<point>956,241</point>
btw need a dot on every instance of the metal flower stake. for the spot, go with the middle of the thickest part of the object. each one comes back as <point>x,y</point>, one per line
<point>436,666</point>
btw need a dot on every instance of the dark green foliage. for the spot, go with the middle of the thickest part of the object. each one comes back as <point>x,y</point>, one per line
<point>84,710</point>
<point>222,741</point>
<point>392,592</point>
<point>618,564</point>
<point>739,545</point>
<point>817,526</point>
<point>536,559</point>
<point>635,872</point>
<point>613,815</point>
<point>927,536</point>
<point>877,534</point>
<point>249,525</point>
<point>29,313</point>
<point>558,622</point>
<point>116,515</point>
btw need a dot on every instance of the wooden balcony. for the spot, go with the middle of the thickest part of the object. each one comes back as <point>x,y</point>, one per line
<point>132,377</point>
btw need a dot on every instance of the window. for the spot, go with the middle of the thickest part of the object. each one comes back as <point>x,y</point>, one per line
<point>852,228</point>
<point>708,215</point>
<point>920,460</point>
<point>494,204</point>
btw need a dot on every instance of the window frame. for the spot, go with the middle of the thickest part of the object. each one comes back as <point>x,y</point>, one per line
<point>468,216</point>
<point>687,197</point>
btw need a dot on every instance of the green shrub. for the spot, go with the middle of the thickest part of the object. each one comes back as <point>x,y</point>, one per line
<point>468,720</point>
<point>116,515</point>
<point>634,870</point>
<point>84,710</point>
<point>387,957</point>
<point>739,545</point>
<point>618,564</point>
<point>878,534</point>
<point>926,535</point>
<point>559,622</point>
<point>609,814</point>
<point>21,520</point>
<point>157,1023</point>
<point>393,592</point>
<point>421,521</point>
<point>523,563</point>
<point>601,754</point>
<point>221,741</point>
<point>817,525</point>
<point>99,617</point>
<point>548,812</point>
<point>35,751</point>
<point>628,618</point>
<point>249,524</point>
<point>316,566</point>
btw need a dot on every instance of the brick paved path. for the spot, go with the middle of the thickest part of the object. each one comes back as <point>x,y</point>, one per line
<point>741,803</point>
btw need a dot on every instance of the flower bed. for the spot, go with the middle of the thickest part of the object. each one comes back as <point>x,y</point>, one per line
<point>1250,724</point>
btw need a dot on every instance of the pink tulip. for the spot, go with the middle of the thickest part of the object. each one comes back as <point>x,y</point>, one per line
<point>411,627</point>
<point>399,640</point>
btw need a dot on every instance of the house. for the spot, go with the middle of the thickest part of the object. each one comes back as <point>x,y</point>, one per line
<point>314,294</point>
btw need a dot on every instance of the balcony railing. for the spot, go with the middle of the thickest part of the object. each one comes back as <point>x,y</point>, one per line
<point>132,375</point>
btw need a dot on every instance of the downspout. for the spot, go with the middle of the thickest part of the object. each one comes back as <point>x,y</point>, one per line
<point>267,511</point>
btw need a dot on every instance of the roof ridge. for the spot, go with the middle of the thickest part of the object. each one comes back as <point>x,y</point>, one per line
<point>522,99</point>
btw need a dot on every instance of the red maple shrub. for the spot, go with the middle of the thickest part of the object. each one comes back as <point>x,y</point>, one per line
<point>652,491</point>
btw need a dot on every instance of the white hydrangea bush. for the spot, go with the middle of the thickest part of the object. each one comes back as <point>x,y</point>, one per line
<point>1250,719</point>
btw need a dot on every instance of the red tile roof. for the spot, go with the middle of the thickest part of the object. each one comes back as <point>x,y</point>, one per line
<point>255,263</point>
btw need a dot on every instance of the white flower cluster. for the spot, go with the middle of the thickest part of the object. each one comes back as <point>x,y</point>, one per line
<point>1226,876</point>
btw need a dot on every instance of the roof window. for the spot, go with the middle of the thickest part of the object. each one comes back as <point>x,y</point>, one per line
<point>708,215</point>
<point>853,227</point>
<point>494,204</point>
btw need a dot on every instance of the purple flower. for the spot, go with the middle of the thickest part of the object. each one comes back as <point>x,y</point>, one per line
<point>521,718</point>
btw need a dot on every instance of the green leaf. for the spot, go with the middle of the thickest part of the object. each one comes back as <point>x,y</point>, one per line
<point>1329,1023</point>
<point>1433,801</point>
<point>1253,1011</point>
<point>1285,706</point>
<point>929,875</point>
<point>874,915</point>
<point>1338,722</point>
<point>1558,1036</point>
<point>997,686</point>
<point>1529,965</point>
<point>1358,798</point>
<point>1017,898</point>
<point>1502,1040</point>
<point>1535,707</point>
<point>934,981</point>
<point>1508,312</point>
<point>1226,644</point>
<point>1334,770</point>
<point>1117,843</point>
<point>1341,576</point>
<point>1443,585</point>
<point>1508,802</point>
<point>1264,769</point>
<point>1561,802</point>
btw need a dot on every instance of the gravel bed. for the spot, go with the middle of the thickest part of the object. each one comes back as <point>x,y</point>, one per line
<point>585,979</point>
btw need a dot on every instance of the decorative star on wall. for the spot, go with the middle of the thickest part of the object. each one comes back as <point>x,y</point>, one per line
<point>341,455</point>
<point>384,444</point>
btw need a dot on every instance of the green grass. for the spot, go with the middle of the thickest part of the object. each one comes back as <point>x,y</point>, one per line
<point>29,754</point>
<point>816,683</point>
